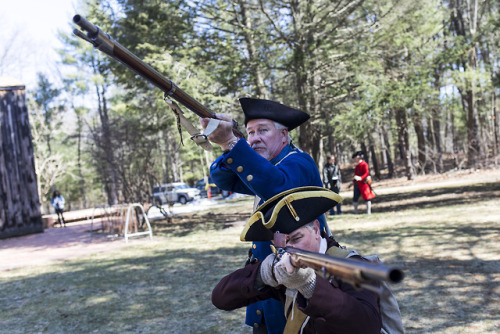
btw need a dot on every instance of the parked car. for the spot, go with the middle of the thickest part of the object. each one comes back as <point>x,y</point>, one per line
<point>177,192</point>
<point>202,187</point>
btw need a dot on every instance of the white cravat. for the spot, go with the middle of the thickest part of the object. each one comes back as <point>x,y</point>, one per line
<point>323,246</point>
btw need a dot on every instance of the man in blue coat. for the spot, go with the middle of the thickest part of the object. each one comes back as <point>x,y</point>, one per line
<point>264,165</point>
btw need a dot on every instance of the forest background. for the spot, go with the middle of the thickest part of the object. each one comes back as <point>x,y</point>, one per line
<point>411,83</point>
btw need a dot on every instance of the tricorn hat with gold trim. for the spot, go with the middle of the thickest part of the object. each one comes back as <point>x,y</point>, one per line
<point>288,211</point>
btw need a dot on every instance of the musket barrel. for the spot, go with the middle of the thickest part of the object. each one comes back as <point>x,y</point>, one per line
<point>86,25</point>
<point>166,85</point>
<point>381,272</point>
<point>106,44</point>
<point>346,268</point>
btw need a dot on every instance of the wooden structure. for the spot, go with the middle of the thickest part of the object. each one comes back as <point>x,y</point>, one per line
<point>19,202</point>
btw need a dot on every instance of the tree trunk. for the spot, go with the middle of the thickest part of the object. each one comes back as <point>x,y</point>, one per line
<point>419,130</point>
<point>438,141</point>
<point>404,142</point>
<point>365,153</point>
<point>107,147</point>
<point>19,202</point>
<point>376,167</point>
<point>386,148</point>
<point>462,17</point>
<point>495,124</point>
<point>253,57</point>
<point>473,147</point>
<point>79,162</point>
<point>168,163</point>
<point>304,66</point>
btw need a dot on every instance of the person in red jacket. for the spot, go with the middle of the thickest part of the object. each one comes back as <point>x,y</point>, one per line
<point>362,181</point>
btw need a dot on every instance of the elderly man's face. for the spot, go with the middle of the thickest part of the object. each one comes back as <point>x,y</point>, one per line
<point>305,238</point>
<point>265,139</point>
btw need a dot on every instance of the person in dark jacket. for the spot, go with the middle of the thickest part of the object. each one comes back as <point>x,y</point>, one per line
<point>332,179</point>
<point>313,304</point>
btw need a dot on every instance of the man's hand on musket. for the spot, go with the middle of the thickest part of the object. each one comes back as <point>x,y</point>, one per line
<point>223,135</point>
<point>285,273</point>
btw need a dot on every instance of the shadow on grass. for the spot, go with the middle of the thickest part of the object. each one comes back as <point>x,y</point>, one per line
<point>167,290</point>
<point>183,225</point>
<point>432,198</point>
<point>439,285</point>
<point>452,294</point>
<point>162,292</point>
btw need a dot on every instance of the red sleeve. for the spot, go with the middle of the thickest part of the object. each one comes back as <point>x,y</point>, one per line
<point>363,170</point>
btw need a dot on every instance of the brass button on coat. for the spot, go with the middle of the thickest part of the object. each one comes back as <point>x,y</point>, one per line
<point>254,246</point>
<point>239,169</point>
<point>258,312</point>
<point>256,325</point>
<point>229,160</point>
<point>249,177</point>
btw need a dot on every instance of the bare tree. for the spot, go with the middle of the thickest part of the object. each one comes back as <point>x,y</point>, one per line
<point>50,166</point>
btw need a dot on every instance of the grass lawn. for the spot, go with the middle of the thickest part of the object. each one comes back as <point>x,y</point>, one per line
<point>446,241</point>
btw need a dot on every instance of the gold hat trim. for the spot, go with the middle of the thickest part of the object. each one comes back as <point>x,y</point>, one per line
<point>285,193</point>
<point>292,210</point>
<point>287,198</point>
<point>254,219</point>
<point>298,196</point>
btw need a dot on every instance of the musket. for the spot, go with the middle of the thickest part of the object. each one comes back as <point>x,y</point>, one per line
<point>360,274</point>
<point>103,42</point>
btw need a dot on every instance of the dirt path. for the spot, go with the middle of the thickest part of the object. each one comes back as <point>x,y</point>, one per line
<point>56,244</point>
<point>74,241</point>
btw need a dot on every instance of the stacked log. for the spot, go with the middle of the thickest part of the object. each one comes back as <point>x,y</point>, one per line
<point>19,202</point>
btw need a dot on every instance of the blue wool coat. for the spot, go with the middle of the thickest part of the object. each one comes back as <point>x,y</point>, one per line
<point>244,171</point>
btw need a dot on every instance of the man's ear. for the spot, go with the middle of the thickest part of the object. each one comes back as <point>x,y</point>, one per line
<point>285,134</point>
<point>317,230</point>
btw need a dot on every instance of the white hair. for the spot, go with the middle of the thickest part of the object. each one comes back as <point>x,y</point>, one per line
<point>310,225</point>
<point>280,126</point>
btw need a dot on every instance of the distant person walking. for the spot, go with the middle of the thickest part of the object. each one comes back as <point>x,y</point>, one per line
<point>332,180</point>
<point>362,181</point>
<point>57,202</point>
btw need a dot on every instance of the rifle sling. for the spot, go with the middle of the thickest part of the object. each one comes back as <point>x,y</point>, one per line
<point>199,138</point>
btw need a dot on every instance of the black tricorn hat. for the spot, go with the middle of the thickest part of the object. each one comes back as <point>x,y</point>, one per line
<point>358,154</point>
<point>288,211</point>
<point>258,108</point>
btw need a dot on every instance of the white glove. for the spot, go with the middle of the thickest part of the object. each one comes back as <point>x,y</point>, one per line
<point>357,178</point>
<point>223,134</point>
<point>301,279</point>
<point>266,271</point>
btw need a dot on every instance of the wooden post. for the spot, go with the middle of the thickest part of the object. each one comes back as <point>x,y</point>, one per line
<point>19,202</point>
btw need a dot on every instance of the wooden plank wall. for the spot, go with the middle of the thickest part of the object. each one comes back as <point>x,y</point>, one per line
<point>19,202</point>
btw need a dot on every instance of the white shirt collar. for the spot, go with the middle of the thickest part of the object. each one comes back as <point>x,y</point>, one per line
<point>323,246</point>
